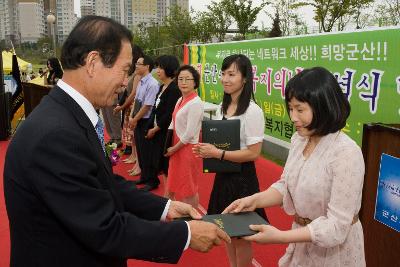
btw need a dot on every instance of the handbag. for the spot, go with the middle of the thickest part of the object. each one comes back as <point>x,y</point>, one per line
<point>136,107</point>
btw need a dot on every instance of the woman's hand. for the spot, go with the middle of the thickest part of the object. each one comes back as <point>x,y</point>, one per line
<point>242,204</point>
<point>150,133</point>
<point>204,150</point>
<point>117,109</point>
<point>132,123</point>
<point>267,234</point>
<point>170,151</point>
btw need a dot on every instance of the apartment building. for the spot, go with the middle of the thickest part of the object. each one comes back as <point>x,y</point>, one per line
<point>31,23</point>
<point>65,19</point>
<point>163,7</point>
<point>88,7</point>
<point>144,11</point>
<point>9,24</point>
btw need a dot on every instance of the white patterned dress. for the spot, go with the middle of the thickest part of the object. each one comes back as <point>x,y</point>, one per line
<point>326,188</point>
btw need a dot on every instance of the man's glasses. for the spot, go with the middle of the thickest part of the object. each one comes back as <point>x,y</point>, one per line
<point>185,80</point>
<point>139,64</point>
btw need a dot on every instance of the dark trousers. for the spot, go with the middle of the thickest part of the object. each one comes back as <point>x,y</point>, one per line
<point>144,149</point>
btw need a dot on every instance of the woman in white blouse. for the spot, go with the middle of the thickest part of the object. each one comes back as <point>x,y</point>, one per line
<point>237,80</point>
<point>322,181</point>
<point>184,168</point>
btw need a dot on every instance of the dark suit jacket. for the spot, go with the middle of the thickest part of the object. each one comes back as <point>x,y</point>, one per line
<point>163,112</point>
<point>65,205</point>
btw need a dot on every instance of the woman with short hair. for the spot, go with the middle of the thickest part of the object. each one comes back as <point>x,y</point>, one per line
<point>160,118</point>
<point>322,181</point>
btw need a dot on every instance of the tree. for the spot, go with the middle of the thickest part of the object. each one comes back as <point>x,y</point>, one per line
<point>287,15</point>
<point>359,7</point>
<point>328,12</point>
<point>243,12</point>
<point>44,43</point>
<point>355,14</point>
<point>203,27</point>
<point>222,19</point>
<point>3,45</point>
<point>276,29</point>
<point>299,26</point>
<point>149,36</point>
<point>388,13</point>
<point>179,25</point>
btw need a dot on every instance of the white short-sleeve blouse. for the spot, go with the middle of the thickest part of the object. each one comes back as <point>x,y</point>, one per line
<point>252,124</point>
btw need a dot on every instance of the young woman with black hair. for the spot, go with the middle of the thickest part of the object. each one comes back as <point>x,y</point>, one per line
<point>55,71</point>
<point>238,103</point>
<point>322,181</point>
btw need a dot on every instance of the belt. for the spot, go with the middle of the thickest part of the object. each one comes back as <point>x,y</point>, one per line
<point>304,221</point>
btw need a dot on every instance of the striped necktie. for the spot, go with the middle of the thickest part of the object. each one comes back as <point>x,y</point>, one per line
<point>100,132</point>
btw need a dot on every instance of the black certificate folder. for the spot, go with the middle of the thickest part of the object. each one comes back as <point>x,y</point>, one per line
<point>224,134</point>
<point>236,224</point>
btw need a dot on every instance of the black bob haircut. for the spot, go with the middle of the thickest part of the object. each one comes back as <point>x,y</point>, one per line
<point>193,71</point>
<point>94,33</point>
<point>148,61</point>
<point>243,65</point>
<point>319,88</point>
<point>169,64</point>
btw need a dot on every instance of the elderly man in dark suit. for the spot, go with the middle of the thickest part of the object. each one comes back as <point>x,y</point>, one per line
<point>65,205</point>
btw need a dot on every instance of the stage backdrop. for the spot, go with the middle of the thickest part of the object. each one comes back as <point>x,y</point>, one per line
<point>366,64</point>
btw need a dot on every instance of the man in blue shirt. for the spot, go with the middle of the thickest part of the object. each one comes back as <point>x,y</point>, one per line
<point>145,97</point>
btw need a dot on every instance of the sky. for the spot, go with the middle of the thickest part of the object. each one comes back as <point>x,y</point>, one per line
<point>201,5</point>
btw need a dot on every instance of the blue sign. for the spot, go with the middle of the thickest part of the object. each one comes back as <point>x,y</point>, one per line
<point>387,208</point>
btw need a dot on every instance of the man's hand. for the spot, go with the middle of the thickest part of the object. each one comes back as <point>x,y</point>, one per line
<point>179,209</point>
<point>205,235</point>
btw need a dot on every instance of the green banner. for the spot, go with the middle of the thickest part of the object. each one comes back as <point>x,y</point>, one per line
<point>365,63</point>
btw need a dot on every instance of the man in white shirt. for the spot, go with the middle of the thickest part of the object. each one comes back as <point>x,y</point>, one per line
<point>65,206</point>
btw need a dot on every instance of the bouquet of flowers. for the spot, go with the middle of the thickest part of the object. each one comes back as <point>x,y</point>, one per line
<point>112,153</point>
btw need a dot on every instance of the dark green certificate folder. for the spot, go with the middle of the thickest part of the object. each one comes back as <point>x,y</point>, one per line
<point>236,224</point>
<point>225,135</point>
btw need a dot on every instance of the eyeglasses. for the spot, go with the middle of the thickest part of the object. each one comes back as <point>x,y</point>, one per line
<point>184,80</point>
<point>139,64</point>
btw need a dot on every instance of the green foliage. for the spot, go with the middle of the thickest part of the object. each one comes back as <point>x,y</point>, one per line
<point>203,27</point>
<point>222,19</point>
<point>329,13</point>
<point>387,13</point>
<point>290,22</point>
<point>179,25</point>
<point>276,29</point>
<point>3,45</point>
<point>243,12</point>
<point>150,37</point>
